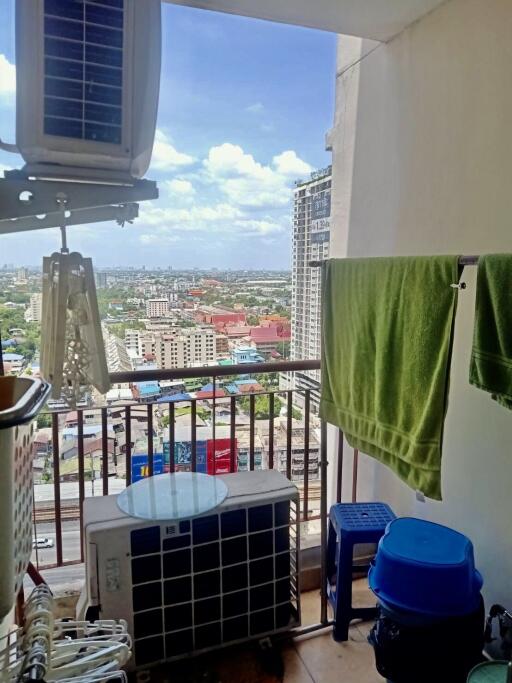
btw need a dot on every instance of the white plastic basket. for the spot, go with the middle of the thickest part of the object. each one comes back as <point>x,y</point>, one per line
<point>21,398</point>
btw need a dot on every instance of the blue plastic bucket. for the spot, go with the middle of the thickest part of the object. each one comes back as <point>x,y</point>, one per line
<point>425,568</point>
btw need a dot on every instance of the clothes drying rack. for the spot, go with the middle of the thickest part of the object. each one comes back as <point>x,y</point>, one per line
<point>469,260</point>
<point>463,261</point>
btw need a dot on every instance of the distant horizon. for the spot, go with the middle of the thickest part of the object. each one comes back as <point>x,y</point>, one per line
<point>244,108</point>
<point>149,269</point>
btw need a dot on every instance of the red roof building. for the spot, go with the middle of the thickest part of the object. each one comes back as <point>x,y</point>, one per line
<point>220,320</point>
<point>237,331</point>
<point>219,393</point>
<point>250,388</point>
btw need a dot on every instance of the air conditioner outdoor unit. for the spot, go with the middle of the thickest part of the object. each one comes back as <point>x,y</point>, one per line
<point>196,584</point>
<point>87,76</point>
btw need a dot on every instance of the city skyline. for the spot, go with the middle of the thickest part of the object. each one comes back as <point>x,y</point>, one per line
<point>244,108</point>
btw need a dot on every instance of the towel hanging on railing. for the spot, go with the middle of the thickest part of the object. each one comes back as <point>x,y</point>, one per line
<point>72,349</point>
<point>386,346</point>
<point>491,355</point>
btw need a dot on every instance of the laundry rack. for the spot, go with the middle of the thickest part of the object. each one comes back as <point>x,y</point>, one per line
<point>46,649</point>
<point>463,260</point>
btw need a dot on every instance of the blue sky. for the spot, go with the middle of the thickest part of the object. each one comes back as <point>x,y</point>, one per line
<point>244,108</point>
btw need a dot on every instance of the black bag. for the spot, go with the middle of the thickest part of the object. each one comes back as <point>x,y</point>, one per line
<point>499,646</point>
<point>409,651</point>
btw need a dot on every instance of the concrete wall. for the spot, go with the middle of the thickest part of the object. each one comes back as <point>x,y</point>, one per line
<point>422,164</point>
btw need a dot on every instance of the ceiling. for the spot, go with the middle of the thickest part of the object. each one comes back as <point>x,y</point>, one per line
<point>375,19</point>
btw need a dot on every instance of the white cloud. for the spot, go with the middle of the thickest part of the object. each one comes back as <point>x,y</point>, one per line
<point>156,238</point>
<point>268,192</point>
<point>7,76</point>
<point>289,164</point>
<point>171,224</point>
<point>180,186</point>
<point>231,160</point>
<point>166,157</point>
<point>248,183</point>
<point>263,227</point>
<point>231,196</point>
<point>192,218</point>
<point>255,108</point>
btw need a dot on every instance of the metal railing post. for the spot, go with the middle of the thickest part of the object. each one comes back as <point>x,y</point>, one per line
<point>104,451</point>
<point>172,438</point>
<point>81,478</point>
<point>307,398</point>
<point>56,487</point>
<point>251,431</point>
<point>323,522</point>
<point>151,466</point>
<point>193,437</point>
<point>339,483</point>
<point>128,444</point>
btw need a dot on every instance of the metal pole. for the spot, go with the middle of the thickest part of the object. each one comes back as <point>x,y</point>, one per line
<point>470,260</point>
<point>323,496</point>
<point>323,521</point>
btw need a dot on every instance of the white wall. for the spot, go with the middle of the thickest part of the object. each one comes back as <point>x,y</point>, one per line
<point>422,157</point>
<point>377,19</point>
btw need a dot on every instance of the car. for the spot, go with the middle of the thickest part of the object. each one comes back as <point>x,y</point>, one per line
<point>42,543</point>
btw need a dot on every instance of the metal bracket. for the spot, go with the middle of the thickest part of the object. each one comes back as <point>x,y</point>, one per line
<point>121,214</point>
<point>32,204</point>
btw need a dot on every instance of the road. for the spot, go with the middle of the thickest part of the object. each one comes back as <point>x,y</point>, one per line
<point>59,576</point>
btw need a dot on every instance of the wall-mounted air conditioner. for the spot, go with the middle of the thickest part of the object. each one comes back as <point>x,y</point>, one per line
<point>191,585</point>
<point>87,77</point>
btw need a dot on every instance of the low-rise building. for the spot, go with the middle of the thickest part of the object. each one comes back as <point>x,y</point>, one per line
<point>297,449</point>
<point>221,345</point>
<point>146,392</point>
<point>13,363</point>
<point>245,354</point>
<point>157,308</point>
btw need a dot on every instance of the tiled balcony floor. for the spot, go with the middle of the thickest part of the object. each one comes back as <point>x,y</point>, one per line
<point>320,659</point>
<point>310,659</point>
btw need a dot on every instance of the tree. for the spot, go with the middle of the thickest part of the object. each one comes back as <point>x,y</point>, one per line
<point>44,420</point>
<point>118,329</point>
<point>261,406</point>
<point>268,379</point>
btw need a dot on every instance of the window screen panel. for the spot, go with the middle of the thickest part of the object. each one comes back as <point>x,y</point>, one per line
<point>83,60</point>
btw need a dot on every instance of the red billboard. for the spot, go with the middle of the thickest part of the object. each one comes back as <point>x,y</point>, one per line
<point>219,459</point>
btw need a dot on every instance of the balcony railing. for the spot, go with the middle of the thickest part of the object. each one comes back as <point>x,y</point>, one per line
<point>147,431</point>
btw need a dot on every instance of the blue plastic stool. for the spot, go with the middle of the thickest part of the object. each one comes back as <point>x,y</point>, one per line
<point>350,524</point>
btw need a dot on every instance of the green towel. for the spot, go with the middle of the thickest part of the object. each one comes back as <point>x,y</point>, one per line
<point>491,359</point>
<point>386,347</point>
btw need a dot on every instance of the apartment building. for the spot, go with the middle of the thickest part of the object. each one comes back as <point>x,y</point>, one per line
<point>100,279</point>
<point>147,345</point>
<point>311,236</point>
<point>186,348</point>
<point>116,354</point>
<point>157,308</point>
<point>280,449</point>
<point>222,345</point>
<point>33,314</point>
<point>131,340</point>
